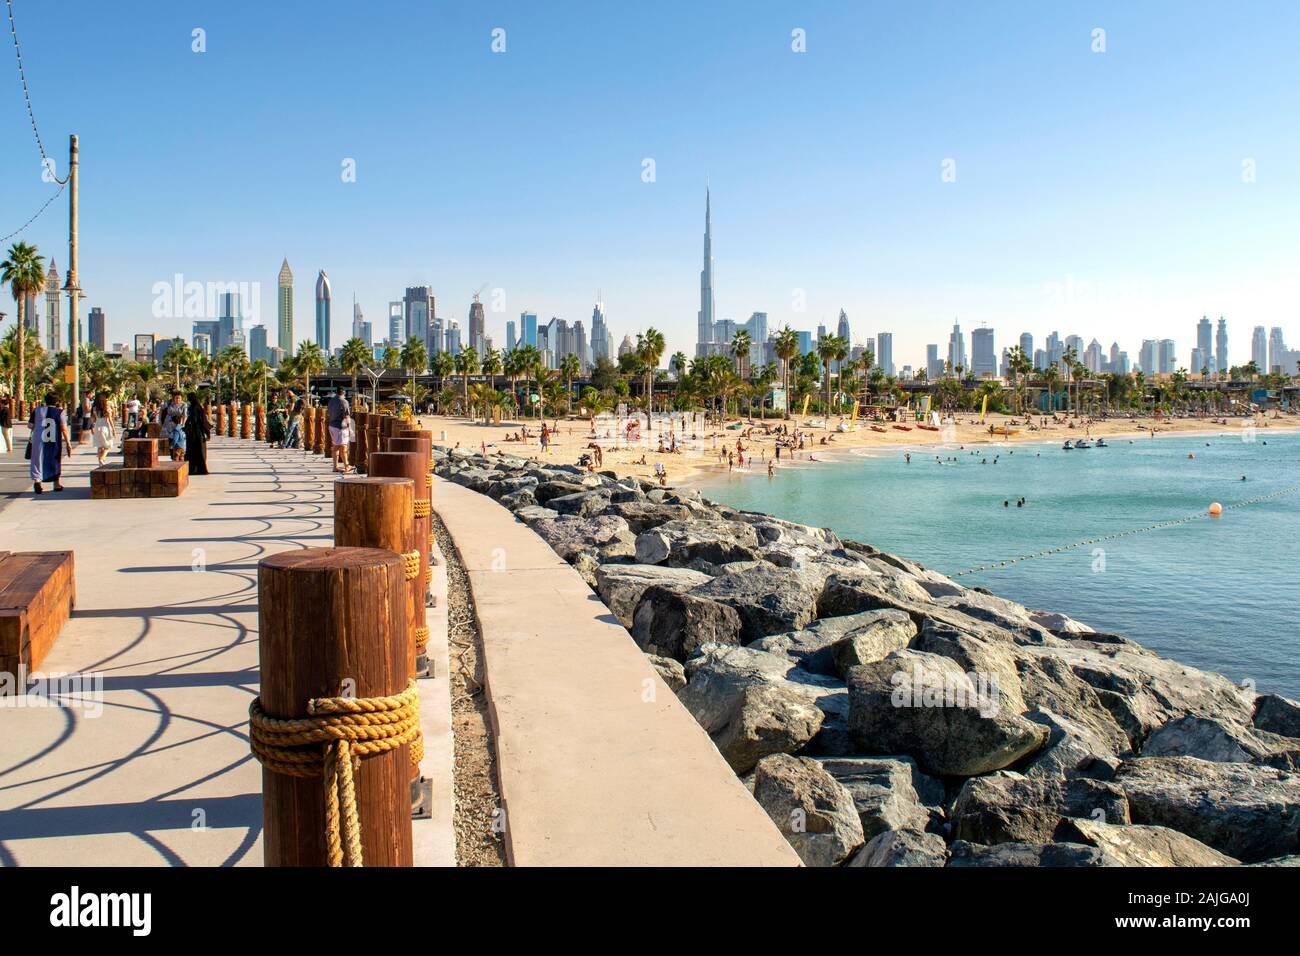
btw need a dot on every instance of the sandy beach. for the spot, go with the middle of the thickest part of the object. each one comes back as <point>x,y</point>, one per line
<point>703,454</point>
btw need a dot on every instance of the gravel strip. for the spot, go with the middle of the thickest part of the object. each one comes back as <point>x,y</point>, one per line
<point>477,821</point>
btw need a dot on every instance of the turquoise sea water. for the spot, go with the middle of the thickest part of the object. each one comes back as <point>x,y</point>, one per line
<point>1218,593</point>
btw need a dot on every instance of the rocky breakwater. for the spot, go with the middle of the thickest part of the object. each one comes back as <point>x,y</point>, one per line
<point>885,715</point>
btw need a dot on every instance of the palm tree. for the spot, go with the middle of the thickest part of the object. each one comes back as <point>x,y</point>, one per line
<point>763,379</point>
<point>679,363</point>
<point>570,368</point>
<point>353,359</point>
<point>530,366</point>
<point>146,372</point>
<point>442,365</point>
<point>392,357</point>
<point>466,365</point>
<point>258,372</point>
<point>649,349</point>
<point>24,270</point>
<point>740,349</point>
<point>415,359</point>
<point>234,361</point>
<point>787,347</point>
<point>490,367</point>
<point>178,358</point>
<point>309,361</point>
<point>828,350</point>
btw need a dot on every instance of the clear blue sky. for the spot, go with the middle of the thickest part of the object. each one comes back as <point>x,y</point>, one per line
<point>1097,194</point>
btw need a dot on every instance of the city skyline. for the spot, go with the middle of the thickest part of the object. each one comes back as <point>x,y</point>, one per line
<point>1090,219</point>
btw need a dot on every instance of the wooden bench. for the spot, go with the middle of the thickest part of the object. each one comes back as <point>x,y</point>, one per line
<point>166,479</point>
<point>37,593</point>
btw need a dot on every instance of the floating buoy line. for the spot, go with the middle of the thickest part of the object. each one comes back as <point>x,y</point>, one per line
<point>1159,525</point>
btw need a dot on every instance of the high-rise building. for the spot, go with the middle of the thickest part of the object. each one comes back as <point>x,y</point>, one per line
<point>1204,345</point>
<point>983,353</point>
<point>229,320</point>
<point>602,343</point>
<point>396,324</point>
<point>360,327</point>
<point>98,324</point>
<point>420,314</point>
<point>477,327</point>
<point>53,313</point>
<point>510,335</point>
<point>528,328</point>
<point>806,344</point>
<point>1027,345</point>
<point>202,343</point>
<point>1200,362</point>
<point>626,347</point>
<point>956,349</point>
<point>581,346</point>
<point>257,348</point>
<point>1259,349</point>
<point>885,352</point>
<point>933,363</point>
<point>1147,357</point>
<point>1093,360</point>
<point>284,308</point>
<point>323,305</point>
<point>210,331</point>
<point>704,318</point>
<point>756,329</point>
<point>143,347</point>
<point>1221,345</point>
<point>1055,350</point>
<point>1075,342</point>
<point>842,329</point>
<point>1166,358</point>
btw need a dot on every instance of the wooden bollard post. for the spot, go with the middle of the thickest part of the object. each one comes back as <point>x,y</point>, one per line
<point>331,623</point>
<point>322,443</point>
<point>245,423</point>
<point>261,422</point>
<point>372,437</point>
<point>379,513</point>
<point>220,421</point>
<point>361,445</point>
<point>308,428</point>
<point>426,437</point>
<point>414,465</point>
<point>230,421</point>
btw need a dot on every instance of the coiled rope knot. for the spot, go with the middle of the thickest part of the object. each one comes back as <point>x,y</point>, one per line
<point>325,744</point>
<point>411,564</point>
<point>423,508</point>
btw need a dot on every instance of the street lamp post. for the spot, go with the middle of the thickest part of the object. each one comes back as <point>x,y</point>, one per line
<point>73,289</point>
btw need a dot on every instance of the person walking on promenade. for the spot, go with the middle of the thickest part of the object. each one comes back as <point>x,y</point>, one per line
<point>6,424</point>
<point>293,437</point>
<point>86,419</point>
<point>49,438</point>
<point>172,419</point>
<point>102,431</point>
<point>339,414</point>
<point>197,432</point>
<point>276,421</point>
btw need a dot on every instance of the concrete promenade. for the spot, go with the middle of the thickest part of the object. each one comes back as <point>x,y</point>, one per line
<point>167,616</point>
<point>599,763</point>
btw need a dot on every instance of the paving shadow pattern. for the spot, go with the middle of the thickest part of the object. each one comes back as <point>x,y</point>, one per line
<point>156,770</point>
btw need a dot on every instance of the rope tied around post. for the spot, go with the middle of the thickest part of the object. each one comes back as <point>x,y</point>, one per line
<point>336,732</point>
<point>423,508</point>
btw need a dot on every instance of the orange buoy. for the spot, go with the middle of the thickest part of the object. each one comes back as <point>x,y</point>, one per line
<point>1216,509</point>
<point>1191,456</point>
